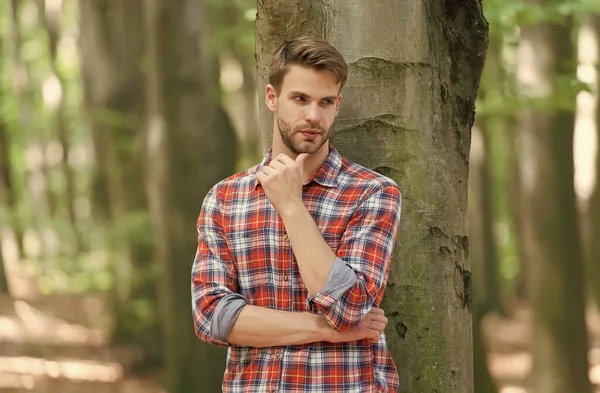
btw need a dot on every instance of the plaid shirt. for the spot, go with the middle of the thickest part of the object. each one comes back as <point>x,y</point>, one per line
<point>244,252</point>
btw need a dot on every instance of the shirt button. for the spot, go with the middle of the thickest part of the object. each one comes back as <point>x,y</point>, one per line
<point>285,236</point>
<point>285,278</point>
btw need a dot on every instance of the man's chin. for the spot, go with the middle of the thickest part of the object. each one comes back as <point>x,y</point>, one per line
<point>310,149</point>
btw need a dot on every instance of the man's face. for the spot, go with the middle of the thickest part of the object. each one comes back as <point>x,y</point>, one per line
<point>305,108</point>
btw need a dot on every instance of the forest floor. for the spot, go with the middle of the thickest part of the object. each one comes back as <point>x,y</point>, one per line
<point>57,344</point>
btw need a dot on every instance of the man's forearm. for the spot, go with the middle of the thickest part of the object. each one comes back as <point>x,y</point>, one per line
<point>263,327</point>
<point>314,262</point>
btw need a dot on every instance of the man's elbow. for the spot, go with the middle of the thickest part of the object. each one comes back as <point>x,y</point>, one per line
<point>214,319</point>
<point>205,335</point>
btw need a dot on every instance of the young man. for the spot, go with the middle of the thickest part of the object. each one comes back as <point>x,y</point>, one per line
<point>294,253</point>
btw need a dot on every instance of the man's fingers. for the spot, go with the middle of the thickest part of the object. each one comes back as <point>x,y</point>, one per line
<point>377,310</point>
<point>267,170</point>
<point>380,327</point>
<point>284,159</point>
<point>277,164</point>
<point>378,318</point>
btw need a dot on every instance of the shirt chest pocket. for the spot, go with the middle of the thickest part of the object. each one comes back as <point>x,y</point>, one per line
<point>252,254</point>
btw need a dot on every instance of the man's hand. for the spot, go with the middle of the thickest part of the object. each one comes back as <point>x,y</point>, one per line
<point>370,328</point>
<point>282,181</point>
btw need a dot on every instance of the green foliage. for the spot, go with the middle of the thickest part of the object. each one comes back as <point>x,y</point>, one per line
<point>506,15</point>
<point>232,26</point>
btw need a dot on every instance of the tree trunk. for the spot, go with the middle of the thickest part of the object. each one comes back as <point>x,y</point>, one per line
<point>414,70</point>
<point>252,149</point>
<point>516,207</point>
<point>594,203</point>
<point>37,180</point>
<point>551,232</point>
<point>111,47</point>
<point>187,154</point>
<point>482,378</point>
<point>51,21</point>
<point>491,301</point>
<point>5,210</point>
<point>491,88</point>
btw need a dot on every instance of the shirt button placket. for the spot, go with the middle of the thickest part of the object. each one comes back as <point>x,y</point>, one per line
<point>276,358</point>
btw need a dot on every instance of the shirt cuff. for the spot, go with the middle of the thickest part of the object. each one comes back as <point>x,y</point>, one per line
<point>225,315</point>
<point>341,278</point>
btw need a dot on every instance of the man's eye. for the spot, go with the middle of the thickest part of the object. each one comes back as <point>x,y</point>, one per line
<point>299,98</point>
<point>328,102</point>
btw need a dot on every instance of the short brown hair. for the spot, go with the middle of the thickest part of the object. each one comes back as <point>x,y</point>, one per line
<point>306,52</point>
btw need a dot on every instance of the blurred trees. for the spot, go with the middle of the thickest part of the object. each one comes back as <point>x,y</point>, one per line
<point>534,206</point>
<point>89,197</point>
<point>552,242</point>
<point>112,46</point>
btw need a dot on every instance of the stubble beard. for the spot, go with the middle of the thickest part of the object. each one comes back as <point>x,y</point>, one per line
<point>287,132</point>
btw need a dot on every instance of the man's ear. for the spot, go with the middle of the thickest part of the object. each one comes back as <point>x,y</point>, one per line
<point>271,97</point>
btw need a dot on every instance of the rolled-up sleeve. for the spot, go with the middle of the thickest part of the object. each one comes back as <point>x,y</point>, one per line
<point>358,277</point>
<point>216,302</point>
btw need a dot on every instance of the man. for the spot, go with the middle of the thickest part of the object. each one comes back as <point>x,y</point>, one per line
<point>294,253</point>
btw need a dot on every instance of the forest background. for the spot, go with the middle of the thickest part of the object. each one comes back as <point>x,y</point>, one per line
<point>116,118</point>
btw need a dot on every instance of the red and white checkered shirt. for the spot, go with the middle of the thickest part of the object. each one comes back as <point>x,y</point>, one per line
<point>244,253</point>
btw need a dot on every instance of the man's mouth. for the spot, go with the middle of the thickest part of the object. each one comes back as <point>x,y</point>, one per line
<point>310,131</point>
<point>310,134</point>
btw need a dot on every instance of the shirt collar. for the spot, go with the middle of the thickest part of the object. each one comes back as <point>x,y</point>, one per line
<point>325,176</point>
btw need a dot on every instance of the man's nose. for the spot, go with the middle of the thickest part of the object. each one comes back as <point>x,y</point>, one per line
<point>313,113</point>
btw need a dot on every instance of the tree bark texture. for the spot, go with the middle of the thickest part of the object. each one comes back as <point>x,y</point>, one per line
<point>408,108</point>
<point>551,232</point>
<point>187,153</point>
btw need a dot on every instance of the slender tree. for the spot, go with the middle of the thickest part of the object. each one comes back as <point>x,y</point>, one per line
<point>594,203</point>
<point>190,147</point>
<point>4,178</point>
<point>483,381</point>
<point>37,192</point>
<point>51,20</point>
